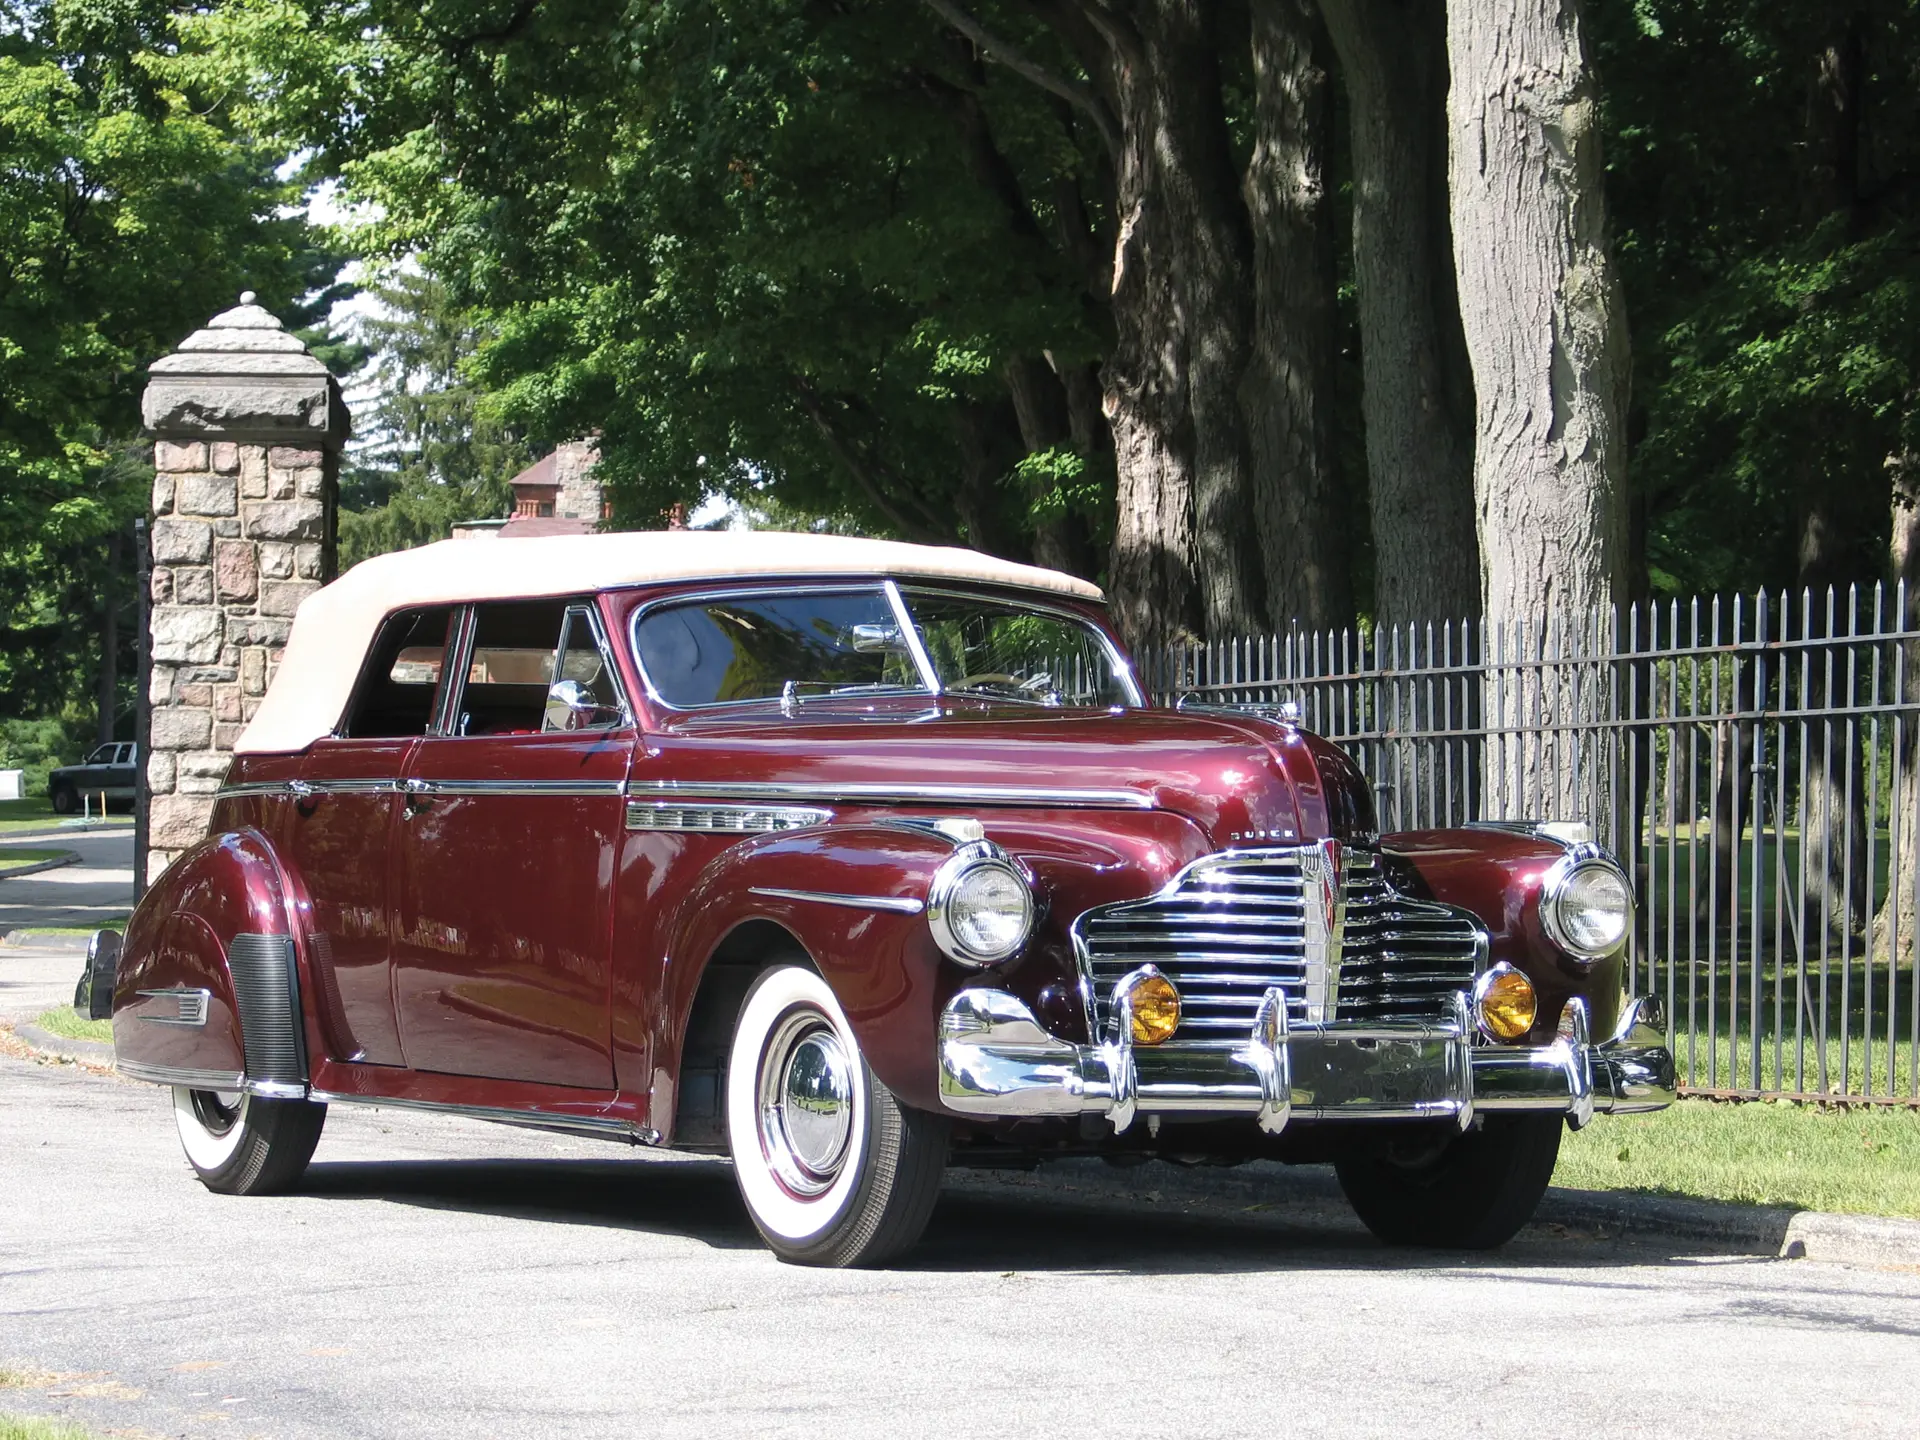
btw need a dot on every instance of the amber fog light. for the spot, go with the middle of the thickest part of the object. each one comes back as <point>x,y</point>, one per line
<point>1504,1003</point>
<point>1156,1007</point>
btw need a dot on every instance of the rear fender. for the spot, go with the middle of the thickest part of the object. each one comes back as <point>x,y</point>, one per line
<point>888,975</point>
<point>219,914</point>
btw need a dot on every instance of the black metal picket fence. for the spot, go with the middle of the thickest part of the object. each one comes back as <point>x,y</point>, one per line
<point>1750,759</point>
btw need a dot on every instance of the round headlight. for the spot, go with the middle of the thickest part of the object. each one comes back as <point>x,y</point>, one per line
<point>979,907</point>
<point>1587,908</point>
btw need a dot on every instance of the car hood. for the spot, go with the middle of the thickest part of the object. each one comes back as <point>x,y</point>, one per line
<point>1244,780</point>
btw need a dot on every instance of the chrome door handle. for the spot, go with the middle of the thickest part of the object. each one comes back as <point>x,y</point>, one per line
<point>419,796</point>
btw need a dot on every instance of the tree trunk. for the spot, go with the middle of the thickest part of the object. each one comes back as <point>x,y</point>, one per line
<point>1893,927</point>
<point>1541,310</point>
<point>1185,559</point>
<point>1833,817</point>
<point>1287,394</point>
<point>1041,404</point>
<point>109,677</point>
<point>1417,400</point>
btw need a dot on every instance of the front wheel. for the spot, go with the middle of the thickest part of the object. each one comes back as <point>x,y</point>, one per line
<point>1473,1192</point>
<point>244,1145</point>
<point>834,1170</point>
<point>64,800</point>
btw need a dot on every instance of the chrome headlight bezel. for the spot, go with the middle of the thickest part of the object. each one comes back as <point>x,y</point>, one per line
<point>955,872</point>
<point>1555,889</point>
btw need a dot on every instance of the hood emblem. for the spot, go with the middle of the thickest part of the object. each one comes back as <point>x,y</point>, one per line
<point>1323,896</point>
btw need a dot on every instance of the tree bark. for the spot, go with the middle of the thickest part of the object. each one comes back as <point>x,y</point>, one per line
<point>1541,309</point>
<point>1540,306</point>
<point>109,676</point>
<point>1184,559</point>
<point>1893,927</point>
<point>1417,401</point>
<point>1287,394</point>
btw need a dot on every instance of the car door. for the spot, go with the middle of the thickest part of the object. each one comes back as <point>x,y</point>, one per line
<point>120,773</point>
<point>339,836</point>
<point>505,854</point>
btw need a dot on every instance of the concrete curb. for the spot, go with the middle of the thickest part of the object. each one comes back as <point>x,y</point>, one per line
<point>65,857</point>
<point>1311,1195</point>
<point>26,936</point>
<point>65,832</point>
<point>97,1052</point>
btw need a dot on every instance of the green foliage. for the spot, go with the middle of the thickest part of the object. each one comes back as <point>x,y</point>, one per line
<point>740,240</point>
<point>435,456</point>
<point>131,212</point>
<point>1776,350</point>
<point>40,745</point>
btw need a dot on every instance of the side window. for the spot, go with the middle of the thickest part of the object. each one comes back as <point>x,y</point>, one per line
<point>398,683</point>
<point>595,703</point>
<point>510,667</point>
<point>102,755</point>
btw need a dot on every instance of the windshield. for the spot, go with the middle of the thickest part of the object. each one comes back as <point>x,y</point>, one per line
<point>800,646</point>
<point>1010,652</point>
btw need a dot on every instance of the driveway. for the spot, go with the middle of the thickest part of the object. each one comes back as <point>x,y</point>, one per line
<point>440,1277</point>
<point>94,891</point>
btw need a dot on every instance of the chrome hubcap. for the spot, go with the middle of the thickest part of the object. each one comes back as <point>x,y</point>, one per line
<point>806,1104</point>
<point>217,1113</point>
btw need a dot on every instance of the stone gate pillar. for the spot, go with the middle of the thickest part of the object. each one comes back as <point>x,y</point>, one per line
<point>248,427</point>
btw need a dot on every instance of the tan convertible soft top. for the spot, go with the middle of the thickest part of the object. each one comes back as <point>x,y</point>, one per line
<point>336,625</point>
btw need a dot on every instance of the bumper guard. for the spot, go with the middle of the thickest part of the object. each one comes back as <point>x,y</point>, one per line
<point>996,1060</point>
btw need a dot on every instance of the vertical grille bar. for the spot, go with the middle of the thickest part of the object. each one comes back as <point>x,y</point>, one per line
<point>267,992</point>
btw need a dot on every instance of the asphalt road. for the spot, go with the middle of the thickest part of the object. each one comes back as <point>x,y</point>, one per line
<point>445,1278</point>
<point>94,891</point>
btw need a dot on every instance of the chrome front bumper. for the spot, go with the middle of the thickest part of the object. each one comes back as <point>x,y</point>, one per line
<point>996,1060</point>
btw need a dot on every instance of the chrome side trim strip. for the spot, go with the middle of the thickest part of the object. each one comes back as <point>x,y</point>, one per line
<point>304,788</point>
<point>524,787</point>
<point>228,1080</point>
<point>885,794</point>
<point>897,904</point>
<point>527,1119</point>
<point>192,1006</point>
<point>724,819</point>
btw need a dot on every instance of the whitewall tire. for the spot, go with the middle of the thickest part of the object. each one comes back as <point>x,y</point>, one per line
<point>243,1145</point>
<point>833,1169</point>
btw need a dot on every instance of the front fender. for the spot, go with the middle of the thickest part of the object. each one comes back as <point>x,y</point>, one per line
<point>178,1016</point>
<point>886,972</point>
<point>1499,876</point>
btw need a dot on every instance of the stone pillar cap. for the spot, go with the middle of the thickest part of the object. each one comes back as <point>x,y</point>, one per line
<point>243,377</point>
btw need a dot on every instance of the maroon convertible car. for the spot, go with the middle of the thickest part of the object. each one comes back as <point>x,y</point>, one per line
<point>852,860</point>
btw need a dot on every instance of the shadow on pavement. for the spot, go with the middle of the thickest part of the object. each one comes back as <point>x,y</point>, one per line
<point>978,1227</point>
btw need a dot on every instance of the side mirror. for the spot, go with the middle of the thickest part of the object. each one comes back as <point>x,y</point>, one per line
<point>871,639</point>
<point>570,706</point>
<point>93,997</point>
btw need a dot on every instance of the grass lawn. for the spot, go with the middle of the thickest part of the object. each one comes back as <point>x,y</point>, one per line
<point>63,1021</point>
<point>1863,1160</point>
<point>14,856</point>
<point>36,813</point>
<point>40,1427</point>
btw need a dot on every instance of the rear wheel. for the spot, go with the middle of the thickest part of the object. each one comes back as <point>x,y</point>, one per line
<point>243,1145</point>
<point>1472,1192</point>
<point>834,1170</point>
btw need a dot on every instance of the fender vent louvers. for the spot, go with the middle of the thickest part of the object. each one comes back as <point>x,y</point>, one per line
<point>268,994</point>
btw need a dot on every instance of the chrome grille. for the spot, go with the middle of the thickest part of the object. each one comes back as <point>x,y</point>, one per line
<point>1403,957</point>
<point>1234,924</point>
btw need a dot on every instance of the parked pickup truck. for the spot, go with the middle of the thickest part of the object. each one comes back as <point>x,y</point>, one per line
<point>110,770</point>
